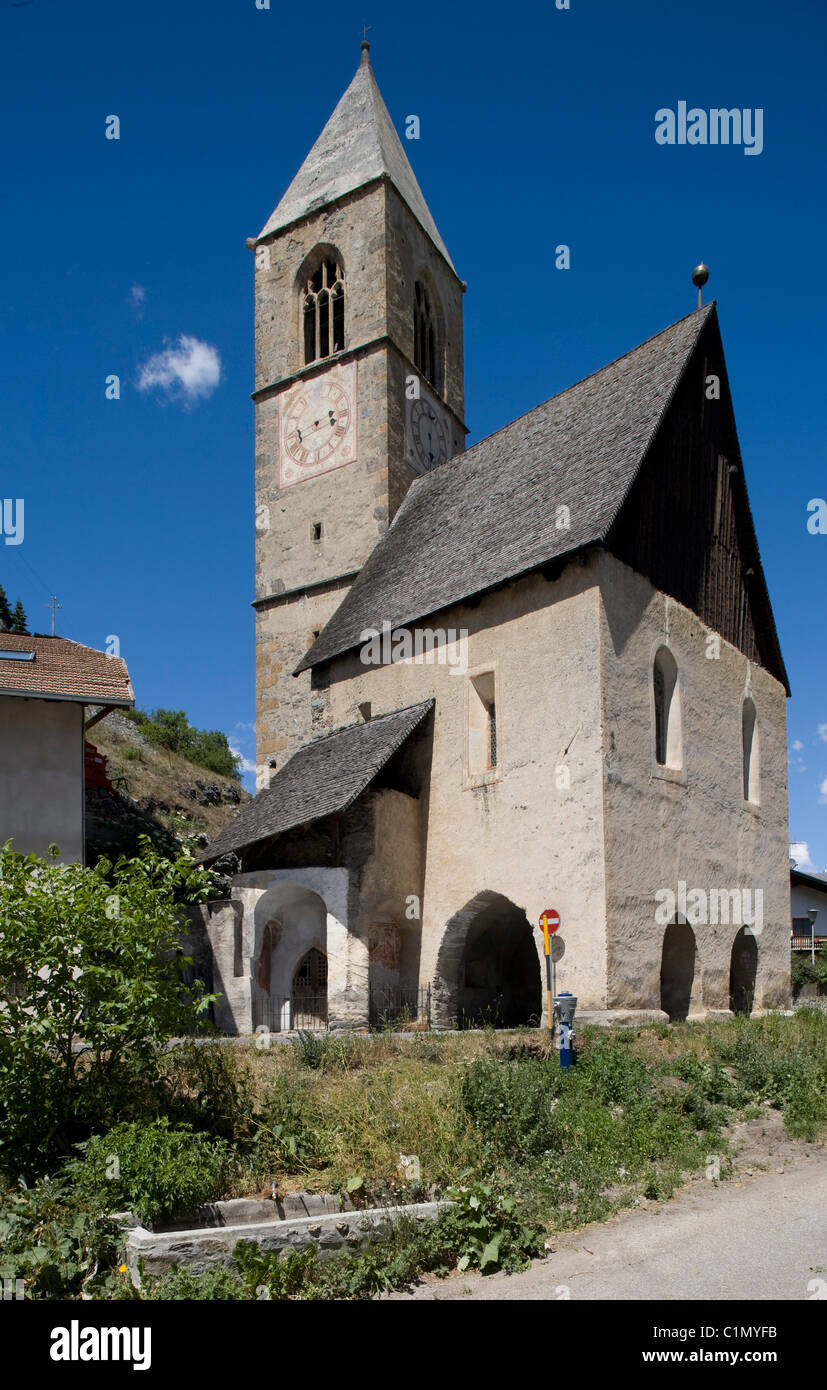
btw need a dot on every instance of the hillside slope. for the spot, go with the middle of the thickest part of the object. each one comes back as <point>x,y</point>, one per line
<point>156,793</point>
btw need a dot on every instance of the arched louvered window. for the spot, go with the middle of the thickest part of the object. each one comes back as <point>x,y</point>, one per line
<point>667,709</point>
<point>426,336</point>
<point>749,749</point>
<point>324,310</point>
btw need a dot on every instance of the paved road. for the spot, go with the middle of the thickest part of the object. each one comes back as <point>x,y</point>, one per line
<point>764,1238</point>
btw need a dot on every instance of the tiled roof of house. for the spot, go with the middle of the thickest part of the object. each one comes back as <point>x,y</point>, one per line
<point>358,145</point>
<point>53,668</point>
<point>324,777</point>
<point>489,514</point>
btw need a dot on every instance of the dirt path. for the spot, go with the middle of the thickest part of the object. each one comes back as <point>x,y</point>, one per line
<point>762,1235</point>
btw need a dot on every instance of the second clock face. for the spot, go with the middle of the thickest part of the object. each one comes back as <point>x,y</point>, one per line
<point>427,435</point>
<point>318,425</point>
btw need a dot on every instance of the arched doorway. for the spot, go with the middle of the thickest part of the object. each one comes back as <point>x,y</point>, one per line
<point>488,970</point>
<point>743,967</point>
<point>290,924</point>
<point>677,970</point>
<point>309,997</point>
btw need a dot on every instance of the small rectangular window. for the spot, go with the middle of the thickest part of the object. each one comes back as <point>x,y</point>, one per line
<point>482,724</point>
<point>317,531</point>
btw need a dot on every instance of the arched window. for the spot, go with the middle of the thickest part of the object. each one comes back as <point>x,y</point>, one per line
<point>749,746</point>
<point>324,310</point>
<point>667,710</point>
<point>426,337</point>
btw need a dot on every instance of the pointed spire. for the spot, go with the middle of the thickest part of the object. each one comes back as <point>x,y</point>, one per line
<point>358,144</point>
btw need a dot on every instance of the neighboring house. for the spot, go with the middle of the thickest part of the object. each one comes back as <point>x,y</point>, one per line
<point>48,685</point>
<point>808,892</point>
<point>603,721</point>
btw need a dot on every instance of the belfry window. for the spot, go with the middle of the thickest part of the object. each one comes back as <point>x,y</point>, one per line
<point>425,336</point>
<point>324,311</point>
<point>667,709</point>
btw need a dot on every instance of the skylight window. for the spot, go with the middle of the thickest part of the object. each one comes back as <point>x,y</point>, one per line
<point>16,656</point>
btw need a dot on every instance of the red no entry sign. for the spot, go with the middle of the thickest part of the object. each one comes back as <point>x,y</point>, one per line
<point>550,920</point>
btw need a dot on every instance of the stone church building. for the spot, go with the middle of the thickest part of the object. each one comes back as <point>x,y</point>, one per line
<point>542,672</point>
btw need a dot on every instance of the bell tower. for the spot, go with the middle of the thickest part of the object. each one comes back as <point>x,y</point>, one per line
<point>358,386</point>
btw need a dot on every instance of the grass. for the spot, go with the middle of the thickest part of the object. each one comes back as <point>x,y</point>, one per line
<point>526,1149</point>
<point>642,1107</point>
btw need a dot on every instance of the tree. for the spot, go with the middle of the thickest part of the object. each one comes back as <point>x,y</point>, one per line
<point>18,619</point>
<point>90,992</point>
<point>5,611</point>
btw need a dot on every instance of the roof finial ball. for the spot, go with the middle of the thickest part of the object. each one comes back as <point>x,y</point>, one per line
<point>700,275</point>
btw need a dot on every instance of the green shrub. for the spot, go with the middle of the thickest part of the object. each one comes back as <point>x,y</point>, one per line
<point>59,1248</point>
<point>170,728</point>
<point>154,1170</point>
<point>91,988</point>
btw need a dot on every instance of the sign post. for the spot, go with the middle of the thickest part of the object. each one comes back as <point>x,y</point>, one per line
<point>549,923</point>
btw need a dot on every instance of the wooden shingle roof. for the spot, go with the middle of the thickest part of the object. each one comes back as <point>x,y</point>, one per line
<point>324,777</point>
<point>53,668</point>
<point>491,513</point>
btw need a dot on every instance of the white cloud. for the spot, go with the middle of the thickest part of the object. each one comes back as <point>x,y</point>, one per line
<point>822,793</point>
<point>799,851</point>
<point>246,765</point>
<point>188,372</point>
<point>822,732</point>
<point>797,745</point>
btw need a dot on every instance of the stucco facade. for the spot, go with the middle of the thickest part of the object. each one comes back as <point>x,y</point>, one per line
<point>42,776</point>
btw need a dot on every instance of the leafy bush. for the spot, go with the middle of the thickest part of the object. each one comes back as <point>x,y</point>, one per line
<point>56,1245</point>
<point>804,972</point>
<point>91,986</point>
<point>154,1170</point>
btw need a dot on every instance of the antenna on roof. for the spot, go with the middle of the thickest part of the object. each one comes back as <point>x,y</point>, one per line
<point>700,275</point>
<point>53,604</point>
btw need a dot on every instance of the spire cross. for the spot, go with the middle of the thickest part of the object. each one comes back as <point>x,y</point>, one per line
<point>365,28</point>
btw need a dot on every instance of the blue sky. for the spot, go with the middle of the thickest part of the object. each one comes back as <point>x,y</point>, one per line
<point>537,128</point>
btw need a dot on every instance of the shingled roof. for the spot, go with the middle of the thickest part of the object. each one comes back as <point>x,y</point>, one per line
<point>488,515</point>
<point>53,668</point>
<point>358,145</point>
<point>324,777</point>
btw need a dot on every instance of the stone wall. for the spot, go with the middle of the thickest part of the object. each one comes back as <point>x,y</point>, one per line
<point>301,580</point>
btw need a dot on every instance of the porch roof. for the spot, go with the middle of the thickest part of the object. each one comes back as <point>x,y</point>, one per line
<point>323,778</point>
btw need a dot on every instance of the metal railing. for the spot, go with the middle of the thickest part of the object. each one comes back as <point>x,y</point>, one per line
<point>387,1008</point>
<point>391,1007</point>
<point>280,1014</point>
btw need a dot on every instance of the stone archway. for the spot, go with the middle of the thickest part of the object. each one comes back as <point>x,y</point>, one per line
<point>743,968</point>
<point>677,970</point>
<point>487,970</point>
<point>290,922</point>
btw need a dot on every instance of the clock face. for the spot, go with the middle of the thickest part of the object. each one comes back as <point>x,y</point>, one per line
<point>318,425</point>
<point>427,435</point>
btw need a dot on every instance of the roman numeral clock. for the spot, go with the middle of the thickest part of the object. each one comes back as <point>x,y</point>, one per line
<point>317,425</point>
<point>427,432</point>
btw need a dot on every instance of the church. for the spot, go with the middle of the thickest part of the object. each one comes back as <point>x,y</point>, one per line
<point>538,673</point>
